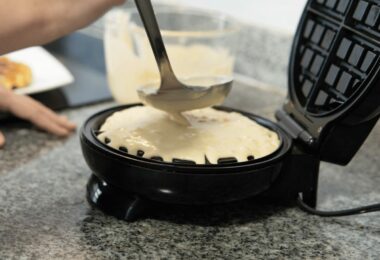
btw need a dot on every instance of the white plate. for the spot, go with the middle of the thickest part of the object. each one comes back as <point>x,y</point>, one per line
<point>48,73</point>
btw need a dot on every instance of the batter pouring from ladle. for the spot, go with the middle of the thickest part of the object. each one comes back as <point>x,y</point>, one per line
<point>173,96</point>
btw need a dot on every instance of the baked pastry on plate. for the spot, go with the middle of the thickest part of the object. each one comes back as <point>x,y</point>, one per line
<point>14,75</point>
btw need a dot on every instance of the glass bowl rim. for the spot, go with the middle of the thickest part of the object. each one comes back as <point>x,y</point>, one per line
<point>233,25</point>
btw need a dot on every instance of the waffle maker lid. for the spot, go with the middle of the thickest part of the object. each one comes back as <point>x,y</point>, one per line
<point>334,69</point>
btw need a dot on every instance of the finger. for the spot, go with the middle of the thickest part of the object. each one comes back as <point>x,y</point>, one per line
<point>65,122</point>
<point>50,126</point>
<point>44,118</point>
<point>60,120</point>
<point>2,140</point>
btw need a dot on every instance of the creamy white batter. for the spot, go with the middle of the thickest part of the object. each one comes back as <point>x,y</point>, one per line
<point>212,134</point>
<point>131,64</point>
<point>175,102</point>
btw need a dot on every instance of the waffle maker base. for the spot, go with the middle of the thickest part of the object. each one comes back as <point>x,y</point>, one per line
<point>123,185</point>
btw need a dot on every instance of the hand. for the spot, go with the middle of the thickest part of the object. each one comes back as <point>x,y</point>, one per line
<point>27,108</point>
<point>25,23</point>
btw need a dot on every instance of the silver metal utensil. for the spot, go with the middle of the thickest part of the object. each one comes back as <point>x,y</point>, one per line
<point>174,96</point>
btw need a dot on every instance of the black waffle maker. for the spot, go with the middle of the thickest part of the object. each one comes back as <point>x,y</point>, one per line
<point>333,104</point>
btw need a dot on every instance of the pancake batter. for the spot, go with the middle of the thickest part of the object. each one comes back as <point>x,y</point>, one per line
<point>212,134</point>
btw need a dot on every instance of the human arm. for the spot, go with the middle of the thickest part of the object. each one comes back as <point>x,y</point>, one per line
<point>25,23</point>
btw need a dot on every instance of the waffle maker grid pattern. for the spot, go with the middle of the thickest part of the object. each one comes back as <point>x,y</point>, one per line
<point>338,51</point>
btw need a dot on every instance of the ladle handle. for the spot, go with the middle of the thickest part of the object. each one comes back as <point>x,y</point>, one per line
<point>168,78</point>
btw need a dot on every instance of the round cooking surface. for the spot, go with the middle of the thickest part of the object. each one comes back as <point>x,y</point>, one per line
<point>94,123</point>
<point>179,182</point>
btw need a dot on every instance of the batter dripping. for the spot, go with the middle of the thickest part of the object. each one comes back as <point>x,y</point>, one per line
<point>212,134</point>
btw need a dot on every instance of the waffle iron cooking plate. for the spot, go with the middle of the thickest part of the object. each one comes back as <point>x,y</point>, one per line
<point>332,106</point>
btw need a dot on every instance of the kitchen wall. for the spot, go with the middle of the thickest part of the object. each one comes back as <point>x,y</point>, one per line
<point>280,15</point>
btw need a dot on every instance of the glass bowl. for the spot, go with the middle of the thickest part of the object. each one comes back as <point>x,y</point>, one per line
<point>199,44</point>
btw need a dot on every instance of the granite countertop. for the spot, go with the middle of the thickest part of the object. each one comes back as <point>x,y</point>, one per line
<point>44,214</point>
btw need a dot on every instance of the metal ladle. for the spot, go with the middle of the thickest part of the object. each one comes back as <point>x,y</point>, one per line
<point>173,96</point>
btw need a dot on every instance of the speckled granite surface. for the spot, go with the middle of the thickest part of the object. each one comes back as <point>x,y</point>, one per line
<point>44,215</point>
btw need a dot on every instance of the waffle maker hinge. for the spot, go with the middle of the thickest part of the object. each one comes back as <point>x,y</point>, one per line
<point>295,130</point>
<point>300,171</point>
